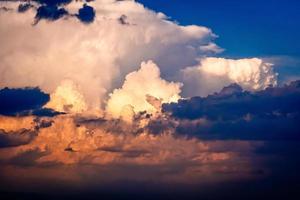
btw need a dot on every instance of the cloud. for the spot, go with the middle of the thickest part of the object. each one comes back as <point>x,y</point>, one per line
<point>74,141</point>
<point>16,138</point>
<point>235,114</point>
<point>54,2</point>
<point>100,153</point>
<point>108,57</point>
<point>67,98</point>
<point>99,110</point>
<point>24,7</point>
<point>21,100</point>
<point>86,14</point>
<point>140,88</point>
<point>45,9</point>
<point>50,13</point>
<point>212,74</point>
<point>17,131</point>
<point>95,56</point>
<point>11,124</point>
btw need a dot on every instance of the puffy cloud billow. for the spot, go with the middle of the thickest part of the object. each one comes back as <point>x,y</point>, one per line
<point>212,74</point>
<point>146,82</point>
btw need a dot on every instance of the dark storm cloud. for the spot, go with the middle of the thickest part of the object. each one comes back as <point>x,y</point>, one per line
<point>273,113</point>
<point>50,9</point>
<point>42,2</point>
<point>53,2</point>
<point>44,112</point>
<point>24,7</point>
<point>86,14</point>
<point>50,13</point>
<point>233,103</point>
<point>55,9</point>
<point>24,101</point>
<point>16,100</point>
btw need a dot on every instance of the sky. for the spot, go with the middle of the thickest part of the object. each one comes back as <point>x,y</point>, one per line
<point>268,29</point>
<point>166,99</point>
<point>245,28</point>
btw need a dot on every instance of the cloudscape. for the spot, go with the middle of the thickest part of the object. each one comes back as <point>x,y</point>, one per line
<point>127,99</point>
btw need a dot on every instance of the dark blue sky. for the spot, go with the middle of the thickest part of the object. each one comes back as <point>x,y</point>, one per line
<point>246,28</point>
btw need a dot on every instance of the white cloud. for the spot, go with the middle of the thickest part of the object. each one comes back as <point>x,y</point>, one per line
<point>97,56</point>
<point>67,98</point>
<point>138,86</point>
<point>212,74</point>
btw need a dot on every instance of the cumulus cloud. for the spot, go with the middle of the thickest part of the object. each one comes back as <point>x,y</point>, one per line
<point>95,56</point>
<point>140,89</point>
<point>67,98</point>
<point>212,74</point>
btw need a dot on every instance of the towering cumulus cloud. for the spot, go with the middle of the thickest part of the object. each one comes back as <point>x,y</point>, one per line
<point>67,98</point>
<point>94,56</point>
<point>94,45</point>
<point>212,74</point>
<point>138,89</point>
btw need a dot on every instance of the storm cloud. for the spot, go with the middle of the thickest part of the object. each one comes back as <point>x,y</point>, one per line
<point>14,101</point>
<point>232,113</point>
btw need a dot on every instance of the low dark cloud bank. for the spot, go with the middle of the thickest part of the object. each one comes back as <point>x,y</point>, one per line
<point>273,113</point>
<point>224,119</point>
<point>270,114</point>
<point>24,101</point>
